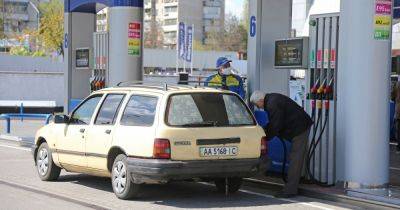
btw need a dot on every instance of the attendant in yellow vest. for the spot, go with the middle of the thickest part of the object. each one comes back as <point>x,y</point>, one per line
<point>225,78</point>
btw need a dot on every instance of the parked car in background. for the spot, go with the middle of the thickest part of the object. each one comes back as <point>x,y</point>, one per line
<point>140,134</point>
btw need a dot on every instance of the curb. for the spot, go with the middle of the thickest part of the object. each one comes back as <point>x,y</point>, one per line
<point>10,138</point>
<point>15,139</point>
<point>329,197</point>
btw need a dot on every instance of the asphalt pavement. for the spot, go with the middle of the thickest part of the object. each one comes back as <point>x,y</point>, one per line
<point>20,188</point>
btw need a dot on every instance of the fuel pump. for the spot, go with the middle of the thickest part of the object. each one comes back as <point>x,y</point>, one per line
<point>99,77</point>
<point>321,81</point>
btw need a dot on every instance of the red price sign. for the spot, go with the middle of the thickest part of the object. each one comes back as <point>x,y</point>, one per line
<point>383,9</point>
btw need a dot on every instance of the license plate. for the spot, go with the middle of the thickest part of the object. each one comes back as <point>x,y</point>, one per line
<point>218,151</point>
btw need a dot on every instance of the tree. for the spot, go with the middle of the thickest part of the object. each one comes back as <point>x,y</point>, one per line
<point>245,21</point>
<point>153,34</point>
<point>51,25</point>
<point>233,37</point>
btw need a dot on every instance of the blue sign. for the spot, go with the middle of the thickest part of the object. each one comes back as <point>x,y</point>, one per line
<point>189,43</point>
<point>253,26</point>
<point>181,40</point>
<point>66,41</point>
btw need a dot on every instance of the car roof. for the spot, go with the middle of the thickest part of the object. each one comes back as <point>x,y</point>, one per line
<point>160,89</point>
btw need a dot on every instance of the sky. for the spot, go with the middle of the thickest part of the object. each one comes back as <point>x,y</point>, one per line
<point>234,6</point>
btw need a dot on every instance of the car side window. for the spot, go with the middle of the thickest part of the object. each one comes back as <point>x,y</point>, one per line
<point>140,111</point>
<point>83,114</point>
<point>109,109</point>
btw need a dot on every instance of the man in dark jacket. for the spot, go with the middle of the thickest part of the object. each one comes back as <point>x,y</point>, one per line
<point>289,121</point>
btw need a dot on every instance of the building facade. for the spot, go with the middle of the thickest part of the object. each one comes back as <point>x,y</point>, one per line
<point>205,15</point>
<point>18,15</point>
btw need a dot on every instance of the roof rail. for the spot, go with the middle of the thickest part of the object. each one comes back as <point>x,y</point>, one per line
<point>156,85</point>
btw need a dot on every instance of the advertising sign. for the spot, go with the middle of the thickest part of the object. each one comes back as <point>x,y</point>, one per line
<point>382,19</point>
<point>319,59</point>
<point>312,59</point>
<point>134,38</point>
<point>189,43</point>
<point>333,58</point>
<point>181,40</point>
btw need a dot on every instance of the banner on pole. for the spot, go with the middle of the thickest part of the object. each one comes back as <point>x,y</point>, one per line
<point>181,40</point>
<point>189,43</point>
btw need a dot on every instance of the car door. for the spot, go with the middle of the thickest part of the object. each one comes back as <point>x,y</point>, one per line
<point>100,133</point>
<point>71,147</point>
<point>136,128</point>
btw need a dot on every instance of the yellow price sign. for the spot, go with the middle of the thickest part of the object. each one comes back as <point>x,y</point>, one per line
<point>134,42</point>
<point>381,20</point>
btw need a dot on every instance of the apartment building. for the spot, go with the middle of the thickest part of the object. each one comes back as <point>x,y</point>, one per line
<point>18,15</point>
<point>205,15</point>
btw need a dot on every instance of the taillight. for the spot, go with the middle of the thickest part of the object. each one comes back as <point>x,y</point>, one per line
<point>162,149</point>
<point>264,146</point>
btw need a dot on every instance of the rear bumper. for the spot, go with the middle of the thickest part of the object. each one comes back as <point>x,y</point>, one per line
<point>156,171</point>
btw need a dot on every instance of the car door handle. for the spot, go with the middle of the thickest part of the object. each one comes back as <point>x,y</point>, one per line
<point>82,130</point>
<point>108,131</point>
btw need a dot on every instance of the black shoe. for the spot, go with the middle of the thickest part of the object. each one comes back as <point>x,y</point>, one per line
<point>284,195</point>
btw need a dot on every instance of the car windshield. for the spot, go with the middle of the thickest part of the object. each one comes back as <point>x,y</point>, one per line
<point>207,110</point>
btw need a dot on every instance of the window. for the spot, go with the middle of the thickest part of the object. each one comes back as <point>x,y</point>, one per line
<point>170,9</point>
<point>109,109</point>
<point>140,111</point>
<point>83,114</point>
<point>207,109</point>
<point>170,22</point>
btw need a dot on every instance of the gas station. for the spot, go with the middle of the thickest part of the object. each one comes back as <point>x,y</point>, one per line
<point>347,75</point>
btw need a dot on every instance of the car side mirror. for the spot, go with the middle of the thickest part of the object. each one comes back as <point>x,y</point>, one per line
<point>61,119</point>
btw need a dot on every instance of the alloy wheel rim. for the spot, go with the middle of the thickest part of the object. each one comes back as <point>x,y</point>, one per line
<point>43,161</point>
<point>119,177</point>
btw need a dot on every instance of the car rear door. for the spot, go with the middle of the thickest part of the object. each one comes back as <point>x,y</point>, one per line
<point>100,133</point>
<point>136,128</point>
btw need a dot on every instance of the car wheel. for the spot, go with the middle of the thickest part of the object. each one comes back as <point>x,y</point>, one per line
<point>121,180</point>
<point>233,185</point>
<point>47,170</point>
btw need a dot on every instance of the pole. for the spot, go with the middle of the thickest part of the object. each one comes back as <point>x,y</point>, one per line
<point>363,96</point>
<point>184,49</point>
<point>192,54</point>
<point>177,49</point>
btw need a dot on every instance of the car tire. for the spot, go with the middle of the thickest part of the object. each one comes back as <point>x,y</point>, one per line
<point>47,170</point>
<point>121,179</point>
<point>234,184</point>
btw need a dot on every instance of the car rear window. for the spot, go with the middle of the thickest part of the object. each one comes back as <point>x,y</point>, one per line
<point>207,110</point>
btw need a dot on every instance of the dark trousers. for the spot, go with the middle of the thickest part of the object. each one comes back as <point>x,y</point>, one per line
<point>398,134</point>
<point>297,155</point>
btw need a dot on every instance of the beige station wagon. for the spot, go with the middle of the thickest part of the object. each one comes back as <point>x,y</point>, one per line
<point>140,134</point>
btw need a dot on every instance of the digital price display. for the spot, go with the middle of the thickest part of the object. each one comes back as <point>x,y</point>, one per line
<point>291,53</point>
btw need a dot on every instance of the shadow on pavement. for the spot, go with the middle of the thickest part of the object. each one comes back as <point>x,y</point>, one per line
<point>179,194</point>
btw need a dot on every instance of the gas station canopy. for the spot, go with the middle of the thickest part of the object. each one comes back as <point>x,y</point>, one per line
<point>92,6</point>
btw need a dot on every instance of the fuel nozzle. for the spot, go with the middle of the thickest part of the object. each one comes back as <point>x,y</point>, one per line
<point>329,90</point>
<point>314,90</point>
<point>321,88</point>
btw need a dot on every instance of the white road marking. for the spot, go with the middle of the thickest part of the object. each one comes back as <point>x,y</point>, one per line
<point>243,191</point>
<point>394,168</point>
<point>12,147</point>
<point>281,199</point>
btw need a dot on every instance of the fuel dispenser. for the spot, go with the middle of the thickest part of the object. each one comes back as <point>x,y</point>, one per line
<point>321,80</point>
<point>99,78</point>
